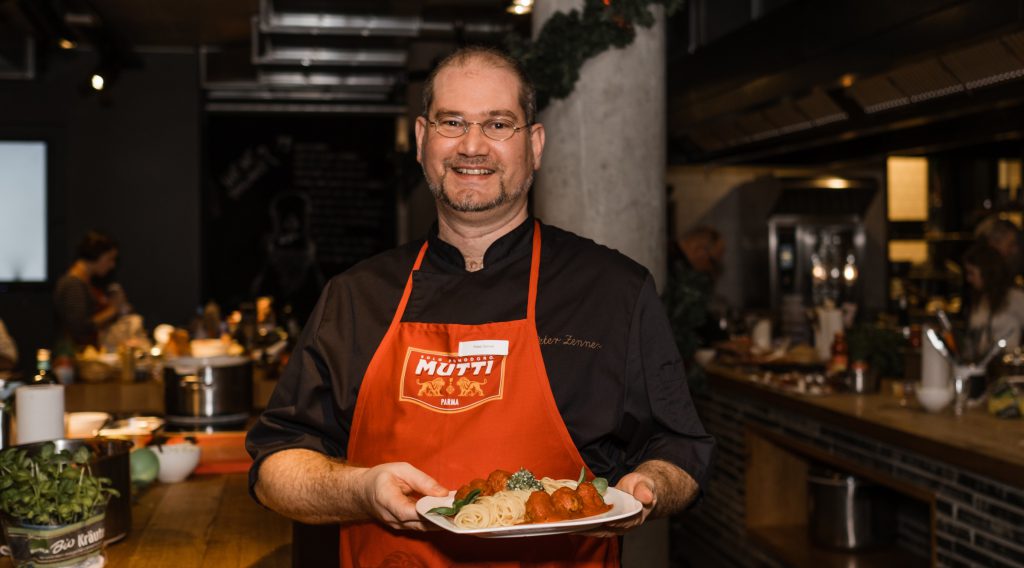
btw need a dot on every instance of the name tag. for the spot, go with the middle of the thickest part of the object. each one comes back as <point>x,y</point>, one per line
<point>483,347</point>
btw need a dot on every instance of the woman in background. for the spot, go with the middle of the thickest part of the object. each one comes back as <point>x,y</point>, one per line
<point>83,309</point>
<point>997,306</point>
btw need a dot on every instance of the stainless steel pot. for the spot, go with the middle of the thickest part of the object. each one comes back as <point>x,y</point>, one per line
<point>112,459</point>
<point>208,391</point>
<point>847,512</point>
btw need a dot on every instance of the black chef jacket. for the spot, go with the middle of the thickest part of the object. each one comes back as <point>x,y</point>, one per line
<point>615,372</point>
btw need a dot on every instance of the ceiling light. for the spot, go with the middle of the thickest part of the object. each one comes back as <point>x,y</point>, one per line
<point>97,81</point>
<point>518,9</point>
<point>66,43</point>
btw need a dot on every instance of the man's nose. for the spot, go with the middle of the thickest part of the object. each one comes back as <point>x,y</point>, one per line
<point>473,142</point>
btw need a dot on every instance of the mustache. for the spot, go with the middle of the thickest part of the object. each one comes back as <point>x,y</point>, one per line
<point>471,163</point>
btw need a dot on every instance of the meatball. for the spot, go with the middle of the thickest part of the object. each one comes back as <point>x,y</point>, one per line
<point>475,484</point>
<point>567,502</point>
<point>593,503</point>
<point>497,480</point>
<point>540,508</point>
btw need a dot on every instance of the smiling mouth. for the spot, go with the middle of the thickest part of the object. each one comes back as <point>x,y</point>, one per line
<point>473,171</point>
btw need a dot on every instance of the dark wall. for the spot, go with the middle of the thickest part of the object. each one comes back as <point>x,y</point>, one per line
<point>128,164</point>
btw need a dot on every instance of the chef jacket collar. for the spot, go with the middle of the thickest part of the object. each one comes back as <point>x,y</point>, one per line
<point>511,245</point>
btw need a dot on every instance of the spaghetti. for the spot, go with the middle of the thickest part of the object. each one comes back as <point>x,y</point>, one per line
<point>546,500</point>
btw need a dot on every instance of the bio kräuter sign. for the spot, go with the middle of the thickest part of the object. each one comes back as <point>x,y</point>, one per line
<point>77,545</point>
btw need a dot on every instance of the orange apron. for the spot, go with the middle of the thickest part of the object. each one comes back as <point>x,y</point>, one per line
<point>449,400</point>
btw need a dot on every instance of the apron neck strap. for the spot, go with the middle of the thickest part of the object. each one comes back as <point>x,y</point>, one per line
<point>408,287</point>
<point>531,301</point>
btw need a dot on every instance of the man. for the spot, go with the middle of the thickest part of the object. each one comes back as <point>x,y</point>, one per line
<point>694,265</point>
<point>702,248</point>
<point>565,340</point>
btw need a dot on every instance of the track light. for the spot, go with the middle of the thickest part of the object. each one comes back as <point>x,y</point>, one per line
<point>520,7</point>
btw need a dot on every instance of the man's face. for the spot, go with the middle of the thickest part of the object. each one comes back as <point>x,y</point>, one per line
<point>473,173</point>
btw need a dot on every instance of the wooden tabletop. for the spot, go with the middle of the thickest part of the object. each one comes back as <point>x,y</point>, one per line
<point>207,521</point>
<point>975,441</point>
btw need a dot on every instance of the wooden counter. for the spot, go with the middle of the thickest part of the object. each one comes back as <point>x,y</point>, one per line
<point>975,441</point>
<point>207,521</point>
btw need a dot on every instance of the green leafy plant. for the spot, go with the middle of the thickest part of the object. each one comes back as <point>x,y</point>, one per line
<point>567,40</point>
<point>50,487</point>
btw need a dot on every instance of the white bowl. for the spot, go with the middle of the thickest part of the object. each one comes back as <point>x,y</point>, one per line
<point>84,424</point>
<point>934,399</point>
<point>177,461</point>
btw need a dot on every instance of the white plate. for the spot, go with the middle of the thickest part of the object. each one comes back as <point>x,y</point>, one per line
<point>623,505</point>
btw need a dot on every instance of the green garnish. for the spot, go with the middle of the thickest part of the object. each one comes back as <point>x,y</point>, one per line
<point>523,480</point>
<point>599,483</point>
<point>457,505</point>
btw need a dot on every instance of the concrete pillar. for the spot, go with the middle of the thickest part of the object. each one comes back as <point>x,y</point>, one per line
<point>603,176</point>
<point>603,171</point>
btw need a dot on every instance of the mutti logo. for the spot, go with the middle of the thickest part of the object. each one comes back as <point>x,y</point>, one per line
<point>446,382</point>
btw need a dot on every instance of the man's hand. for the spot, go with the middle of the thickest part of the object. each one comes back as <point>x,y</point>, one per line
<point>310,487</point>
<point>390,492</point>
<point>660,487</point>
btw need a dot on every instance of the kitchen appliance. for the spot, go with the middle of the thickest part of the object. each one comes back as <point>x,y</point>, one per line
<point>848,512</point>
<point>817,244</point>
<point>208,391</point>
<point>111,459</point>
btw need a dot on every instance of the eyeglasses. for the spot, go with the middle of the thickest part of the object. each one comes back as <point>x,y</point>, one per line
<point>497,129</point>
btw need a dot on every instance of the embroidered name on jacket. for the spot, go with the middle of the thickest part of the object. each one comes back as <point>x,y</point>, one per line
<point>445,382</point>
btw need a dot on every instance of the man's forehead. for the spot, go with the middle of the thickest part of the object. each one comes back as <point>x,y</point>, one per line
<point>478,82</point>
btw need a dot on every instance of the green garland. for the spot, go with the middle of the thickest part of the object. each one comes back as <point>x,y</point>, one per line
<point>566,41</point>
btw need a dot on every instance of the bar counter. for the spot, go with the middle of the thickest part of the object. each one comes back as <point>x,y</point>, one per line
<point>957,483</point>
<point>975,441</point>
<point>206,521</point>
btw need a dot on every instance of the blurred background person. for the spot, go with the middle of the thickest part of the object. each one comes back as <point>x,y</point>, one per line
<point>1004,237</point>
<point>997,306</point>
<point>697,317</point>
<point>82,308</point>
<point>8,349</point>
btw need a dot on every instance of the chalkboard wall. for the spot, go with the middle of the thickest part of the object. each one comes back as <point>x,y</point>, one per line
<point>291,201</point>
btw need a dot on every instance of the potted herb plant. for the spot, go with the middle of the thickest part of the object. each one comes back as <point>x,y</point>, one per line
<point>52,507</point>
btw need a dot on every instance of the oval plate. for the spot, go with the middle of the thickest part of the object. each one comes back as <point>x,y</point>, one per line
<point>623,506</point>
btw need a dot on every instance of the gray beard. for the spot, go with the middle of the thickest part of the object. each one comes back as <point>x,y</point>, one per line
<point>467,206</point>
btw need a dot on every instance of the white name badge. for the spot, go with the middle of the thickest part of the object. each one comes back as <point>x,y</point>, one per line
<point>483,347</point>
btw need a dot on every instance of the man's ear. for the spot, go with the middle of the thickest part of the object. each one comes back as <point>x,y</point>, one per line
<point>537,143</point>
<point>421,131</point>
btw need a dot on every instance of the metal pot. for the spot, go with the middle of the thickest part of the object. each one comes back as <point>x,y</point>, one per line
<point>208,391</point>
<point>847,512</point>
<point>111,459</point>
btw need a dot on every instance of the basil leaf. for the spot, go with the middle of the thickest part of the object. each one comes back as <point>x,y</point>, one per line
<point>457,505</point>
<point>601,484</point>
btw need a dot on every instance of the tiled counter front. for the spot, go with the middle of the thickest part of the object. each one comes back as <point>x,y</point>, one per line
<point>978,521</point>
